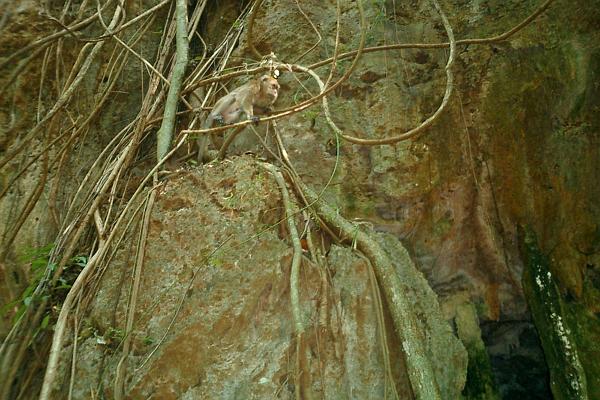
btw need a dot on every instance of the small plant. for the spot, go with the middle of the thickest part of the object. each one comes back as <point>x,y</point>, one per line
<point>112,337</point>
<point>215,262</point>
<point>149,341</point>
<point>115,334</point>
<point>312,113</point>
<point>39,264</point>
<point>36,292</point>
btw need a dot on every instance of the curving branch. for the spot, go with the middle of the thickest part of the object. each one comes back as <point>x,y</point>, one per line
<point>452,43</point>
<point>399,46</point>
<point>307,103</point>
<point>463,42</point>
<point>429,121</point>
<point>312,24</point>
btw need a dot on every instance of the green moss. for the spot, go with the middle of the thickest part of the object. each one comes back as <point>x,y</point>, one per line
<point>586,333</point>
<point>354,204</point>
<point>555,327</point>
<point>443,226</point>
<point>350,201</point>
<point>480,383</point>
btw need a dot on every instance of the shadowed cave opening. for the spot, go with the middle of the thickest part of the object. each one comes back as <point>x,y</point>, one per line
<point>517,360</point>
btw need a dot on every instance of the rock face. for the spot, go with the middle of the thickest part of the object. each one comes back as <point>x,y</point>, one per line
<point>518,145</point>
<point>225,314</point>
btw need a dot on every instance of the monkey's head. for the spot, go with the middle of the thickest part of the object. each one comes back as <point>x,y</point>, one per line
<point>269,87</point>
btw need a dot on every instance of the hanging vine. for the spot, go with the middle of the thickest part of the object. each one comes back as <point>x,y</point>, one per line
<point>104,206</point>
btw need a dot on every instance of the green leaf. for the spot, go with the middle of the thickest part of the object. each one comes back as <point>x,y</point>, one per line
<point>80,261</point>
<point>38,263</point>
<point>149,340</point>
<point>45,321</point>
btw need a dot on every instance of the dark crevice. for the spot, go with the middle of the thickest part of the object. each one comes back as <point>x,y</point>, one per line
<point>517,360</point>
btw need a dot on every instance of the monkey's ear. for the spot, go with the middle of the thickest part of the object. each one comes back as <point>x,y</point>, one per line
<point>264,78</point>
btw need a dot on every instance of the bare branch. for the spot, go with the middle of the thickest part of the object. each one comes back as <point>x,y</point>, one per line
<point>165,133</point>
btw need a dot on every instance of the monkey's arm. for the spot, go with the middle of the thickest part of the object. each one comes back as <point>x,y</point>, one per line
<point>248,108</point>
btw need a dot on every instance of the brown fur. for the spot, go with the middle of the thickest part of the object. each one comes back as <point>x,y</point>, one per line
<point>259,92</point>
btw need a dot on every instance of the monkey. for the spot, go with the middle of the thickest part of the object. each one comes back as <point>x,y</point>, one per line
<point>259,92</point>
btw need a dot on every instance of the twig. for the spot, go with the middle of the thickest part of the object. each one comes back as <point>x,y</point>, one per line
<point>312,24</point>
<point>296,178</point>
<point>376,293</point>
<point>195,20</point>
<point>255,8</point>
<point>295,270</point>
<point>228,140</point>
<point>120,374</point>
<point>74,352</point>
<point>336,48</point>
<point>99,228</point>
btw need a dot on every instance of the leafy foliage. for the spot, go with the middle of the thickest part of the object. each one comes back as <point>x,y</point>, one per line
<point>36,292</point>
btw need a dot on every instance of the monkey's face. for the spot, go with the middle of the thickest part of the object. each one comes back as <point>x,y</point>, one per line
<point>270,87</point>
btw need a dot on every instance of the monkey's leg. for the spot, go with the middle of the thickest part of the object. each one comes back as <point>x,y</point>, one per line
<point>203,140</point>
<point>203,149</point>
<point>248,109</point>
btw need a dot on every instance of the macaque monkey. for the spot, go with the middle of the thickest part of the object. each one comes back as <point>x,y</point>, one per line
<point>259,92</point>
